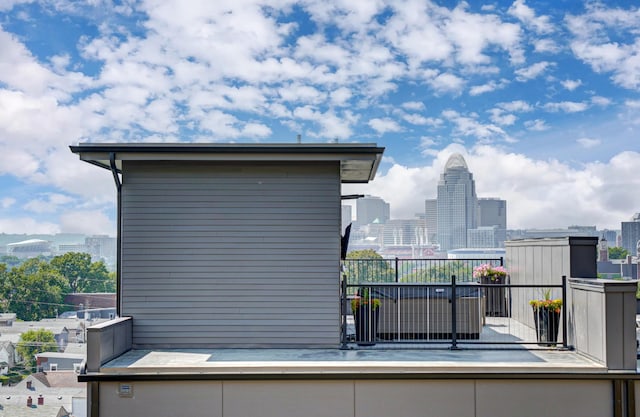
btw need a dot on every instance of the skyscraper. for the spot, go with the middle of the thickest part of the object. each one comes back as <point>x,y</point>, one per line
<point>492,212</point>
<point>457,204</point>
<point>431,217</point>
<point>631,234</point>
<point>370,209</point>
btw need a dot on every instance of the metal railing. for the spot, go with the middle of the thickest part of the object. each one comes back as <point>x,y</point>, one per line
<point>387,305</point>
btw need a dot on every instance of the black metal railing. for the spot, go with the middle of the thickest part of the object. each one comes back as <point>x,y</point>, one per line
<point>386,305</point>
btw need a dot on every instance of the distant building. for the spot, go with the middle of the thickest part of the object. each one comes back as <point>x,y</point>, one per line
<point>486,237</point>
<point>603,250</point>
<point>492,212</point>
<point>476,253</point>
<point>346,216</point>
<point>457,204</point>
<point>370,209</point>
<point>571,231</point>
<point>610,235</point>
<point>30,248</point>
<point>431,216</point>
<point>631,234</point>
<point>101,247</point>
<point>58,361</point>
<point>91,300</point>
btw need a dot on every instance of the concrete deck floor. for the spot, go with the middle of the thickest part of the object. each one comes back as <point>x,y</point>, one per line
<point>336,361</point>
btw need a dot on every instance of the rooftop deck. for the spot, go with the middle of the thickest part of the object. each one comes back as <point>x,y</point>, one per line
<point>402,363</point>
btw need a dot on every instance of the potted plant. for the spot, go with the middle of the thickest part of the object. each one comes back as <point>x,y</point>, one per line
<point>366,313</point>
<point>490,273</point>
<point>546,316</point>
<point>496,301</point>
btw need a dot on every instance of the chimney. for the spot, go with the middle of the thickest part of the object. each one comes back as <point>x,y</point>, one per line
<point>29,383</point>
<point>29,401</point>
<point>40,400</point>
<point>299,138</point>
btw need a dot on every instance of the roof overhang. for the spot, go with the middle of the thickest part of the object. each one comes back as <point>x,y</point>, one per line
<point>358,162</point>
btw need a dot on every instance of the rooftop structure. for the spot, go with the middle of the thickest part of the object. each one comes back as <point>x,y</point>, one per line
<point>239,313</point>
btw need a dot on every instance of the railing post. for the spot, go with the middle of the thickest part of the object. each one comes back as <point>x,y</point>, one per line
<point>397,280</point>
<point>501,261</point>
<point>343,312</point>
<point>564,314</point>
<point>454,315</point>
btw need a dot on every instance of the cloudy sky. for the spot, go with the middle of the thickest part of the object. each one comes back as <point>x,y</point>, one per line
<point>542,98</point>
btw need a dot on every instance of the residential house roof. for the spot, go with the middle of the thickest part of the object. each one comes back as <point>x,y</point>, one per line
<point>35,410</point>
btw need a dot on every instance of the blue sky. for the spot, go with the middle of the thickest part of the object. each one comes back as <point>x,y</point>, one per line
<point>542,98</point>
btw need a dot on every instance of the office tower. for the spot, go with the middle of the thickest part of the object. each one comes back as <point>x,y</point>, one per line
<point>370,209</point>
<point>457,204</point>
<point>631,234</point>
<point>431,217</point>
<point>492,212</point>
<point>345,216</point>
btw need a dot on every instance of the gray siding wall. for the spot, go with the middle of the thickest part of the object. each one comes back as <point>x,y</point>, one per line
<point>231,255</point>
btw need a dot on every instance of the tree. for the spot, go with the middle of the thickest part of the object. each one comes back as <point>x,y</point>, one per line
<point>438,271</point>
<point>82,274</point>
<point>10,260</point>
<point>34,290</point>
<point>616,252</point>
<point>368,266</point>
<point>33,342</point>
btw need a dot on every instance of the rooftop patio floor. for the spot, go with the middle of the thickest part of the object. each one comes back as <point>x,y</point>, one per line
<point>357,361</point>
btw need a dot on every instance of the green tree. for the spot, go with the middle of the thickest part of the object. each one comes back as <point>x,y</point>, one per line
<point>368,266</point>
<point>10,260</point>
<point>82,274</point>
<point>34,290</point>
<point>618,252</point>
<point>33,342</point>
<point>441,272</point>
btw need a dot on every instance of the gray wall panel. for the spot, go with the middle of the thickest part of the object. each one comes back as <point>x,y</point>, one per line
<point>231,254</point>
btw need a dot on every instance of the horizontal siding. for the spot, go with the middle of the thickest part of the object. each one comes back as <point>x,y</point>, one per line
<point>231,255</point>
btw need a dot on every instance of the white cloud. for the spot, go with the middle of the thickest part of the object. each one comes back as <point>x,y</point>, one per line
<point>600,101</point>
<point>516,106</point>
<point>588,142</point>
<point>7,202</point>
<point>382,126</point>
<point>89,222</point>
<point>341,96</point>
<point>417,119</point>
<point>28,225</point>
<point>571,84</point>
<point>469,125</point>
<point>537,125</point>
<point>413,105</point>
<point>533,71</point>
<point>524,13</point>
<point>633,104</point>
<point>472,33</point>
<point>545,45</point>
<point>566,106</point>
<point>533,188</point>
<point>488,87</point>
<point>446,82</point>
<point>607,40</point>
<point>48,203</point>
<point>498,116</point>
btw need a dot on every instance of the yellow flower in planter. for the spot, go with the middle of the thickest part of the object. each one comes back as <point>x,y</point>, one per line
<point>547,303</point>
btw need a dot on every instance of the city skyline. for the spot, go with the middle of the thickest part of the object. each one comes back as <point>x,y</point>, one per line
<point>542,100</point>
